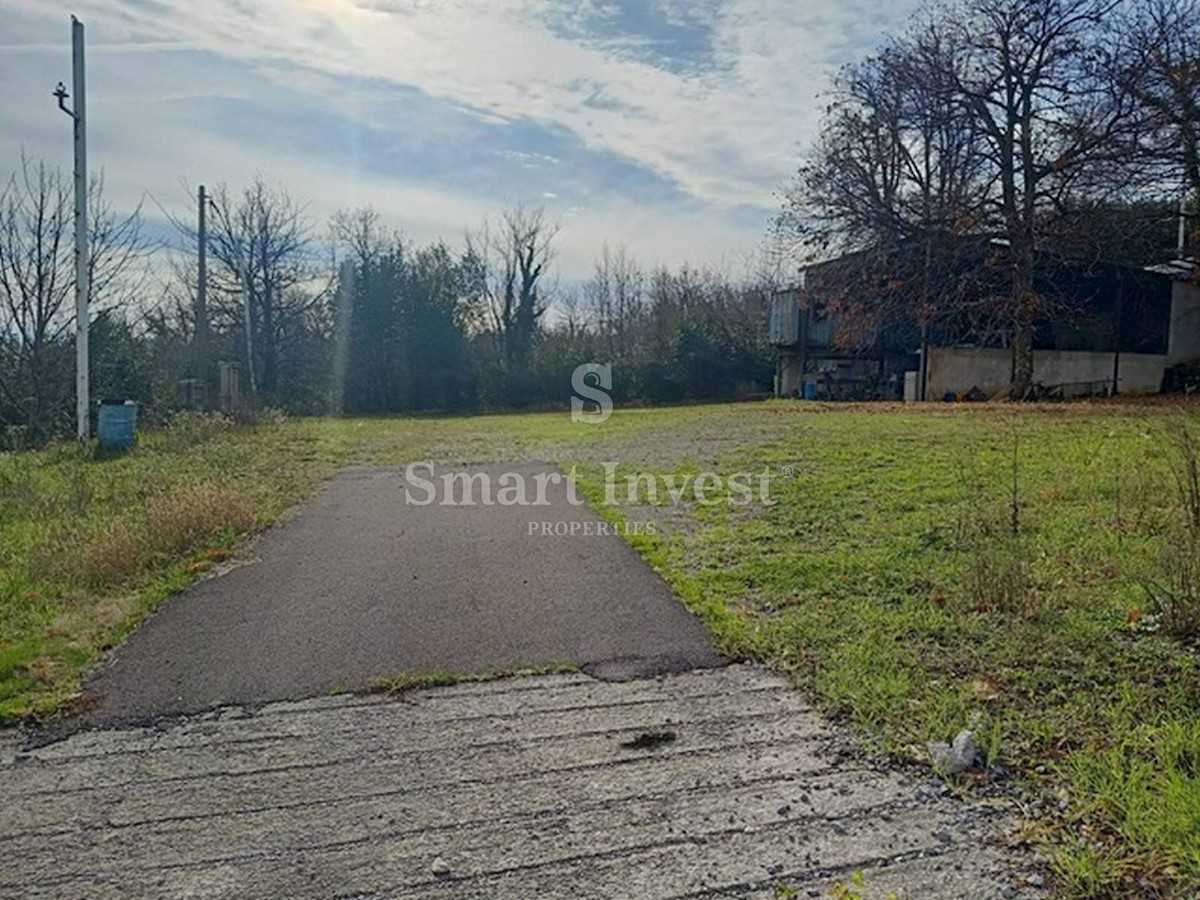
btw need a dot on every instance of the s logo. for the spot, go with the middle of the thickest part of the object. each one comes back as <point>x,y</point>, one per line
<point>596,390</point>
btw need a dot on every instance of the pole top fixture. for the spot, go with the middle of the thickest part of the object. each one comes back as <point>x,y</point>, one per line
<point>61,93</point>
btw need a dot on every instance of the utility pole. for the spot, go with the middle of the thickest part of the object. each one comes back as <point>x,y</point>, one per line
<point>201,363</point>
<point>82,256</point>
<point>83,267</point>
<point>248,322</point>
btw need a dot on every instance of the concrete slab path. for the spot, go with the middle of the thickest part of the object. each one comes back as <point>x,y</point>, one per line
<point>519,789</point>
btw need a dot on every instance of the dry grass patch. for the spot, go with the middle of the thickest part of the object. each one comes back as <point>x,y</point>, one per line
<point>140,541</point>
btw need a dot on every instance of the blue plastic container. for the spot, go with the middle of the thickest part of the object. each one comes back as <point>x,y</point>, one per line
<point>118,425</point>
<point>810,390</point>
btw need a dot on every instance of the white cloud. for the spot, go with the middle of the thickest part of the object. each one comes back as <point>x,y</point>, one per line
<point>726,136</point>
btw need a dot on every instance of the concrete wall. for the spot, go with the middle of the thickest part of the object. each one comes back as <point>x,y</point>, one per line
<point>958,369</point>
<point>787,375</point>
<point>1185,322</point>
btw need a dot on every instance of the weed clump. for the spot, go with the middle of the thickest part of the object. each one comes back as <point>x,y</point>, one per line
<point>125,545</point>
<point>997,577</point>
<point>1174,592</point>
<point>189,429</point>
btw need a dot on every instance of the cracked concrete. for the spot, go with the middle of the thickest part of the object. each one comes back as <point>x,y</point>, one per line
<point>519,788</point>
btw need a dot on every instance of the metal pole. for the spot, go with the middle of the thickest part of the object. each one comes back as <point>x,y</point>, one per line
<point>201,363</point>
<point>249,336</point>
<point>923,368</point>
<point>82,259</point>
<point>1118,321</point>
<point>805,329</point>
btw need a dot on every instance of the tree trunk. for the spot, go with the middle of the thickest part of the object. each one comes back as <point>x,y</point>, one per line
<point>267,343</point>
<point>1024,310</point>
<point>1022,383</point>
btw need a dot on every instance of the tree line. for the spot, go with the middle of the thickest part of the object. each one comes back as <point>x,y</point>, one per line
<point>349,316</point>
<point>1036,129</point>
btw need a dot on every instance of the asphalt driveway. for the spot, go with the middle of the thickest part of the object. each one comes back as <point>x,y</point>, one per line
<point>361,585</point>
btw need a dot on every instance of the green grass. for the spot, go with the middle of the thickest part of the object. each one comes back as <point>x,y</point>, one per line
<point>88,545</point>
<point>886,578</point>
<point>888,581</point>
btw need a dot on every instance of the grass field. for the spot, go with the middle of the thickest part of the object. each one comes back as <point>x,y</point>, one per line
<point>1028,572</point>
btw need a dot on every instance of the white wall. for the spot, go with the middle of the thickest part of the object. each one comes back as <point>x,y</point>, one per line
<point>958,369</point>
<point>1185,322</point>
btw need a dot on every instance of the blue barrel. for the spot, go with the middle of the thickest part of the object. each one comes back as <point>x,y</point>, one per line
<point>118,425</point>
<point>810,390</point>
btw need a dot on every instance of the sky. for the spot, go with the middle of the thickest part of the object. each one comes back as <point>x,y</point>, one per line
<point>668,126</point>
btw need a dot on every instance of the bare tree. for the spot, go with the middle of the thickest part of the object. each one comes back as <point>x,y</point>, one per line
<point>897,179</point>
<point>1051,129</point>
<point>1156,59</point>
<point>512,259</point>
<point>271,280</point>
<point>898,158</point>
<point>615,295</point>
<point>992,122</point>
<point>361,234</point>
<point>575,314</point>
<point>37,310</point>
